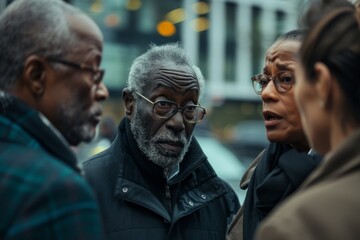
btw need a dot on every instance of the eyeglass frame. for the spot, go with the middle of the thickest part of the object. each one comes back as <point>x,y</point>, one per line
<point>277,82</point>
<point>181,109</point>
<point>81,66</point>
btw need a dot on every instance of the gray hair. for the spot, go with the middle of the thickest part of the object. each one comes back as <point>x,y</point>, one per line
<point>295,35</point>
<point>155,58</point>
<point>32,27</point>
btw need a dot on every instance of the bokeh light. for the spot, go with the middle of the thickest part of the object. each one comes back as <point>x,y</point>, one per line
<point>200,24</point>
<point>201,8</point>
<point>97,7</point>
<point>133,5</point>
<point>166,28</point>
<point>112,20</point>
<point>176,15</point>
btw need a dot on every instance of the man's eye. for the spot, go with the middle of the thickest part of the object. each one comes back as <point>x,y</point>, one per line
<point>190,108</point>
<point>164,104</point>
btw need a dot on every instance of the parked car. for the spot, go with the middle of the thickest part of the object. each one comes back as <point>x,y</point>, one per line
<point>249,140</point>
<point>225,163</point>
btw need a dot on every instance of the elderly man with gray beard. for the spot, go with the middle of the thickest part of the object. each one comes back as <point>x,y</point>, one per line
<point>155,182</point>
<point>51,91</point>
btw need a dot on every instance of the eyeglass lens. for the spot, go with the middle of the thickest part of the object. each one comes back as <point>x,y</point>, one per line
<point>167,109</point>
<point>283,81</point>
<point>98,74</point>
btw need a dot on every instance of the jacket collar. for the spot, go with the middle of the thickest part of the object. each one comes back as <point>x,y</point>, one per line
<point>133,182</point>
<point>278,174</point>
<point>341,161</point>
<point>19,113</point>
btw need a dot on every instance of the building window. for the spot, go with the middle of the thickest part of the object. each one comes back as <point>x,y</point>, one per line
<point>230,41</point>
<point>256,40</point>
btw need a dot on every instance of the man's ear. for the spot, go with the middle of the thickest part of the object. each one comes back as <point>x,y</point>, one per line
<point>323,84</point>
<point>34,75</point>
<point>129,102</point>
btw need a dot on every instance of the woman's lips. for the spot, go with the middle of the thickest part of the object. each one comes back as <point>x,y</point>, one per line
<point>271,118</point>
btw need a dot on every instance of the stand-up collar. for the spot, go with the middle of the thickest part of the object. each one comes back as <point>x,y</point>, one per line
<point>29,120</point>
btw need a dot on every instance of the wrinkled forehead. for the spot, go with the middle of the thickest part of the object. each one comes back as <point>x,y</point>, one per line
<point>283,49</point>
<point>179,79</point>
<point>282,54</point>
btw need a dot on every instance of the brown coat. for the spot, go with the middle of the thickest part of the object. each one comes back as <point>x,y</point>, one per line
<point>326,206</point>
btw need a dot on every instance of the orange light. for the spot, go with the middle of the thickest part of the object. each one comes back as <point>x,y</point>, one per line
<point>166,28</point>
<point>112,20</point>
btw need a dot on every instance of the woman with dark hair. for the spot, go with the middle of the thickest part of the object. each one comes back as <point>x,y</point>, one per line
<point>327,93</point>
<point>285,163</point>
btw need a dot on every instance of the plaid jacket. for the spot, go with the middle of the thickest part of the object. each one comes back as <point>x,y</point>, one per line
<point>42,194</point>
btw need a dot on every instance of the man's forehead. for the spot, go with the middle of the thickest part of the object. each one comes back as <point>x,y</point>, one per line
<point>182,72</point>
<point>86,29</point>
<point>178,79</point>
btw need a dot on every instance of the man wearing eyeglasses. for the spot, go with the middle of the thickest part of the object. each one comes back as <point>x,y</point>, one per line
<point>155,182</point>
<point>50,93</point>
<point>280,169</point>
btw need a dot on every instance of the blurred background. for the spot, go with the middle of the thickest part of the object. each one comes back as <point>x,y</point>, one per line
<point>227,39</point>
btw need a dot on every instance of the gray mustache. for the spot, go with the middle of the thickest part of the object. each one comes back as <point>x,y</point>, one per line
<point>169,137</point>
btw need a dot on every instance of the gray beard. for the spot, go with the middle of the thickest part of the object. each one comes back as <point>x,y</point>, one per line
<point>75,125</point>
<point>148,146</point>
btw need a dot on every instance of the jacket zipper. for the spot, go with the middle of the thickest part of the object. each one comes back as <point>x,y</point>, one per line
<point>167,192</point>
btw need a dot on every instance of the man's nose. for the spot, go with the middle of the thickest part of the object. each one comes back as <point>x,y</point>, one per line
<point>102,92</point>
<point>176,122</point>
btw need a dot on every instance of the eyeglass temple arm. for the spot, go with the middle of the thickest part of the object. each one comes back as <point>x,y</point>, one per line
<point>144,97</point>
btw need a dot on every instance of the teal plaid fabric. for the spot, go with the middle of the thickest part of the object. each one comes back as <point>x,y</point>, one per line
<point>42,195</point>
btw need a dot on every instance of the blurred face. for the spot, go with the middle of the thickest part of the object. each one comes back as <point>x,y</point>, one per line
<point>165,141</point>
<point>72,98</point>
<point>282,119</point>
<point>314,119</point>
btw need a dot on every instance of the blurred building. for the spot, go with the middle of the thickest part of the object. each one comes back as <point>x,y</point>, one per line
<point>227,39</point>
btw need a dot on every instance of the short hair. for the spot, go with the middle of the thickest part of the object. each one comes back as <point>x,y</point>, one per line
<point>32,27</point>
<point>155,58</point>
<point>333,38</point>
<point>295,35</point>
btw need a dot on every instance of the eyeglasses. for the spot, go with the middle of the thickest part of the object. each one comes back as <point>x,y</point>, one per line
<point>283,81</point>
<point>167,109</point>
<point>98,74</point>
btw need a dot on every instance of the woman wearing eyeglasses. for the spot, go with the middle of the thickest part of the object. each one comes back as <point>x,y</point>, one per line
<point>285,163</point>
<point>327,205</point>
